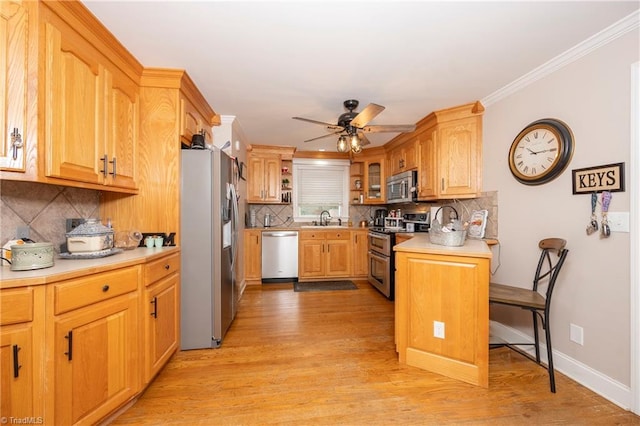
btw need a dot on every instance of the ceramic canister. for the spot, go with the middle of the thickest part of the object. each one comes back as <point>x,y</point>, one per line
<point>25,257</point>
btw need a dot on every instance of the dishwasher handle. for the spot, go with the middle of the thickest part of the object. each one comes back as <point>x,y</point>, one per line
<point>280,234</point>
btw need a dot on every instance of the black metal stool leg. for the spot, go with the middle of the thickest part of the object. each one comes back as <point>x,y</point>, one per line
<point>547,331</point>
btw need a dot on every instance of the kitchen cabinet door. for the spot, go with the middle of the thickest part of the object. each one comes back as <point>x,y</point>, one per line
<point>14,19</point>
<point>22,353</point>
<point>458,158</point>
<point>427,187</point>
<point>359,240</point>
<point>17,390</point>
<point>374,181</point>
<point>121,140</point>
<point>192,122</point>
<point>96,359</point>
<point>264,184</point>
<point>162,325</point>
<point>253,255</point>
<point>338,257</point>
<point>311,263</point>
<point>74,85</point>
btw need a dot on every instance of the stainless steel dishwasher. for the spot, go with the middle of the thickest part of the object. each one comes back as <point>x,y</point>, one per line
<point>279,256</point>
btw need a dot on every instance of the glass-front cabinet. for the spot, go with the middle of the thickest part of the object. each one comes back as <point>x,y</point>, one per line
<point>374,180</point>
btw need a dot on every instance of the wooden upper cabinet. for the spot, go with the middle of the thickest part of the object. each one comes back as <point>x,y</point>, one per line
<point>92,117</point>
<point>264,173</point>
<point>264,178</point>
<point>193,122</point>
<point>403,157</point>
<point>74,82</point>
<point>14,18</point>
<point>123,116</point>
<point>459,158</point>
<point>450,151</point>
<point>427,173</point>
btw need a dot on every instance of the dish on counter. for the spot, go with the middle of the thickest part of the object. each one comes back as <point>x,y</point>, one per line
<point>91,255</point>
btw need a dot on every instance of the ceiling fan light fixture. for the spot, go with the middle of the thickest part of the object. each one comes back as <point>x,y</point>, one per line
<point>342,145</point>
<point>355,141</point>
<point>356,149</point>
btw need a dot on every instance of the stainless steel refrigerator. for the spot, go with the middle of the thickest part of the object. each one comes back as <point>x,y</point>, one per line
<point>208,241</point>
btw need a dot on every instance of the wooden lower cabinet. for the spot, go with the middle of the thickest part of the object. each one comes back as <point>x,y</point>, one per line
<point>95,356</point>
<point>160,309</point>
<point>21,353</point>
<point>360,242</point>
<point>253,256</point>
<point>77,350</point>
<point>324,254</point>
<point>452,290</point>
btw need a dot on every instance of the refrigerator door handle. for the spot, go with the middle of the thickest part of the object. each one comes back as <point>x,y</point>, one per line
<point>234,224</point>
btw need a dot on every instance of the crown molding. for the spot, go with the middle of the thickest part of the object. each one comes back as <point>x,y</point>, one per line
<point>617,30</point>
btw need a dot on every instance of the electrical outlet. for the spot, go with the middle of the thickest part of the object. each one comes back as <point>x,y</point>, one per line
<point>576,334</point>
<point>438,329</point>
<point>22,232</point>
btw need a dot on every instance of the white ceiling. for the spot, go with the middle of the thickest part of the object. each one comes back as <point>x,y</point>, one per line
<point>267,61</point>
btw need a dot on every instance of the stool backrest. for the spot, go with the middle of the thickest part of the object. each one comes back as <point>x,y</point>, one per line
<point>549,268</point>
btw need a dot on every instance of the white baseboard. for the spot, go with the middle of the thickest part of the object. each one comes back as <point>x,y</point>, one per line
<point>601,384</point>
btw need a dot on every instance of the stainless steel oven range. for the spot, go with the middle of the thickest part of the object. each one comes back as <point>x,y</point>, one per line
<point>381,254</point>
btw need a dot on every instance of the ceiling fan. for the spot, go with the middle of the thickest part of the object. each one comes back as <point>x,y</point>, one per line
<point>352,126</point>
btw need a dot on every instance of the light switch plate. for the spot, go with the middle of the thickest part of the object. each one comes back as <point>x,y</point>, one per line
<point>618,221</point>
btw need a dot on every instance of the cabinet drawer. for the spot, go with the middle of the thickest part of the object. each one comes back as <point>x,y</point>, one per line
<point>311,235</point>
<point>16,305</point>
<point>84,291</point>
<point>157,269</point>
<point>338,235</point>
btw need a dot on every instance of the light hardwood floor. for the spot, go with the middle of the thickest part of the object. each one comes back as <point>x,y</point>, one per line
<point>329,358</point>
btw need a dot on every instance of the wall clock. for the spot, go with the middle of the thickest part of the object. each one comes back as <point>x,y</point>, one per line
<point>541,151</point>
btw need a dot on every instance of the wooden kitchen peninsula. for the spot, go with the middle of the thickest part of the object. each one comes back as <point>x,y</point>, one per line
<point>443,291</point>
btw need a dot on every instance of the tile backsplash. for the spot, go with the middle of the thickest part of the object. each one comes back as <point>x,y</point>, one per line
<point>44,208</point>
<point>281,214</point>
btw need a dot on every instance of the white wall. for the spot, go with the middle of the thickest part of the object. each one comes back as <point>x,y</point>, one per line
<point>592,95</point>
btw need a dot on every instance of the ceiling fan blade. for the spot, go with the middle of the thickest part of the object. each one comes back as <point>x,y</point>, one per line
<point>400,128</point>
<point>366,115</point>
<point>328,125</point>
<point>324,136</point>
<point>363,139</point>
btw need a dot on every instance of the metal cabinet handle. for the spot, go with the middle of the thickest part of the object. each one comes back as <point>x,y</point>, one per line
<point>69,352</point>
<point>105,288</point>
<point>16,142</point>
<point>104,170</point>
<point>16,363</point>
<point>167,266</point>
<point>113,173</point>
<point>154,302</point>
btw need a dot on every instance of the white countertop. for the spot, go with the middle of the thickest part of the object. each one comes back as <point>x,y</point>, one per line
<point>420,244</point>
<point>70,268</point>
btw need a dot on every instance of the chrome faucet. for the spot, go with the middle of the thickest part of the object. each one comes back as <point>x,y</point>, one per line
<point>326,220</point>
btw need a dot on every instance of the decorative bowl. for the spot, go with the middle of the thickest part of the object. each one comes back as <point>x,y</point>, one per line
<point>128,240</point>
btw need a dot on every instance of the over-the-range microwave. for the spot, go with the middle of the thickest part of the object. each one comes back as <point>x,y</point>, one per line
<point>403,187</point>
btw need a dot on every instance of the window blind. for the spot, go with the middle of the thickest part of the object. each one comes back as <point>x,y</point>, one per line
<point>321,185</point>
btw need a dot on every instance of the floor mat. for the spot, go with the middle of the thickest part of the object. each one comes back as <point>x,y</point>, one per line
<point>324,286</point>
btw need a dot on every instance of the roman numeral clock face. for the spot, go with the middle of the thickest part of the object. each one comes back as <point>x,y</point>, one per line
<point>541,151</point>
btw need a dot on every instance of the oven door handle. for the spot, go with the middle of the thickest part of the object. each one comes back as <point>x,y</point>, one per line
<point>378,256</point>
